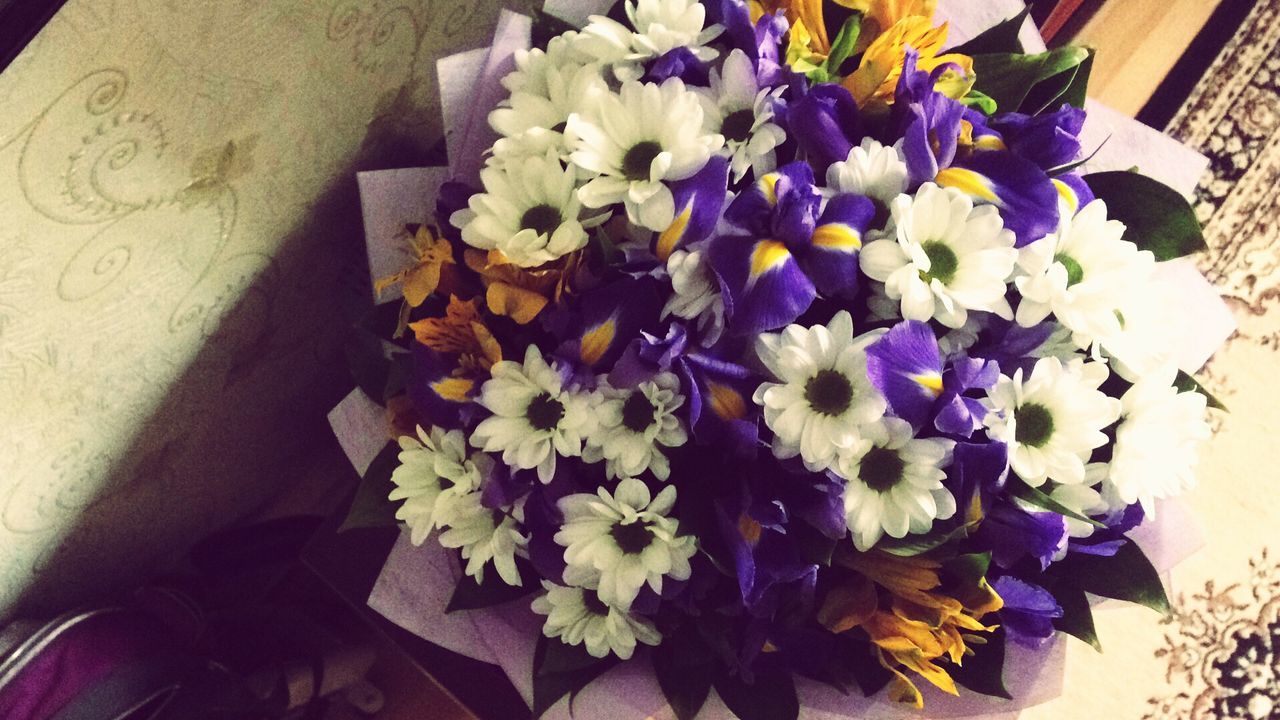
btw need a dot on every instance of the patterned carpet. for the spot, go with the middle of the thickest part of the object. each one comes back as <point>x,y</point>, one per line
<point>1221,645</point>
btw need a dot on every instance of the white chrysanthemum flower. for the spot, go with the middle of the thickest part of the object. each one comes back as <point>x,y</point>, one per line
<point>485,535</point>
<point>1053,420</point>
<point>529,211</point>
<point>635,424</point>
<point>434,472</point>
<point>894,483</point>
<point>1083,274</point>
<point>545,89</point>
<point>1157,441</point>
<point>695,294</point>
<point>660,26</point>
<point>1084,499</point>
<point>823,395</point>
<point>634,141</point>
<point>872,169</point>
<point>948,257</point>
<point>737,108</point>
<point>534,417</point>
<point>623,540</point>
<point>578,615</point>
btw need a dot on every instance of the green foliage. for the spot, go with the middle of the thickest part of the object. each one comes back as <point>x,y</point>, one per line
<point>1128,575</point>
<point>370,508</point>
<point>772,695</point>
<point>1077,615</point>
<point>1021,490</point>
<point>983,672</point>
<point>470,595</point>
<point>684,667</point>
<point>1000,38</point>
<point>1187,383</point>
<point>1156,216</point>
<point>1009,78</point>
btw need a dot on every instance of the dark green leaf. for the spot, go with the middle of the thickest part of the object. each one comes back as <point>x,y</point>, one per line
<point>549,687</point>
<point>980,102</point>
<point>1044,97</point>
<point>684,669</point>
<point>1024,492</point>
<point>370,507</point>
<point>1064,169</point>
<point>1128,575</point>
<point>860,655</point>
<point>771,697</point>
<point>1186,383</point>
<point>1009,77</point>
<point>967,569</point>
<point>399,369</point>
<point>470,595</point>
<point>919,544</point>
<point>1077,615</point>
<point>844,44</point>
<point>1078,90</point>
<point>814,547</point>
<point>1156,217</point>
<point>983,672</point>
<point>368,363</point>
<point>1000,38</point>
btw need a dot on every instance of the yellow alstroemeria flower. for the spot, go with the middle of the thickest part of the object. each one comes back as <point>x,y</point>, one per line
<point>877,76</point>
<point>519,293</point>
<point>916,630</point>
<point>431,254</point>
<point>880,15</point>
<point>460,332</point>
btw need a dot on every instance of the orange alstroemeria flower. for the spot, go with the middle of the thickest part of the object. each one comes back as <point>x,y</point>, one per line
<point>460,332</point>
<point>432,254</point>
<point>916,627</point>
<point>880,15</point>
<point>519,293</point>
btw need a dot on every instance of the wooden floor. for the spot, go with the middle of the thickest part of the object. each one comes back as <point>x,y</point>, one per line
<point>1138,42</point>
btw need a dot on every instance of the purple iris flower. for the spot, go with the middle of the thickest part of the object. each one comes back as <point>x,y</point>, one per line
<point>826,125</point>
<point>1051,140</point>
<point>1108,541</point>
<point>782,247</point>
<point>1012,533</point>
<point>699,203</point>
<point>678,63</point>
<point>428,368</point>
<point>766,559</point>
<point>906,366</point>
<point>761,42</point>
<point>720,407</point>
<point>1009,345</point>
<point>605,321</point>
<point>977,473</point>
<point>1029,611</point>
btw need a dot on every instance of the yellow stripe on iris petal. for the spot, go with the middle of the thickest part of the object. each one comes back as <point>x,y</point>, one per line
<point>726,402</point>
<point>596,341</point>
<point>767,255</point>
<point>989,142</point>
<point>837,236</point>
<point>454,389</point>
<point>1068,195</point>
<point>769,186</point>
<point>929,381</point>
<point>668,239</point>
<point>968,182</point>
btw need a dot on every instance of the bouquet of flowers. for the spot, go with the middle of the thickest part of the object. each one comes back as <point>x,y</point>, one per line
<point>780,340</point>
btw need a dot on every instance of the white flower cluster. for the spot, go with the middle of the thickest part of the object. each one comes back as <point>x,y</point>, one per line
<point>583,132</point>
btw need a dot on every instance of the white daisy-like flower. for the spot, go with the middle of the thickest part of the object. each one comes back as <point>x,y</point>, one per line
<point>737,108</point>
<point>1083,274</point>
<point>1157,441</point>
<point>872,169</point>
<point>535,418</point>
<point>620,541</point>
<point>894,483</point>
<point>545,89</point>
<point>529,211</point>
<point>435,472</point>
<point>948,257</point>
<point>577,615</point>
<point>695,294</point>
<point>636,140</point>
<point>1053,420</point>
<point>635,424</point>
<point>485,535</point>
<point>1085,499</point>
<point>823,396</point>
<point>659,27</point>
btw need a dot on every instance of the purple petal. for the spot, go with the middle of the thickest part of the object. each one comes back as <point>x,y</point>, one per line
<point>906,367</point>
<point>699,202</point>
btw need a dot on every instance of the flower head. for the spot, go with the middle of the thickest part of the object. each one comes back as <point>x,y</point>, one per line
<point>742,112</point>
<point>578,616</point>
<point>435,472</point>
<point>635,142</point>
<point>535,418</point>
<point>947,258</point>
<point>1052,420</point>
<point>620,541</point>
<point>823,396</point>
<point>485,535</point>
<point>634,425</point>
